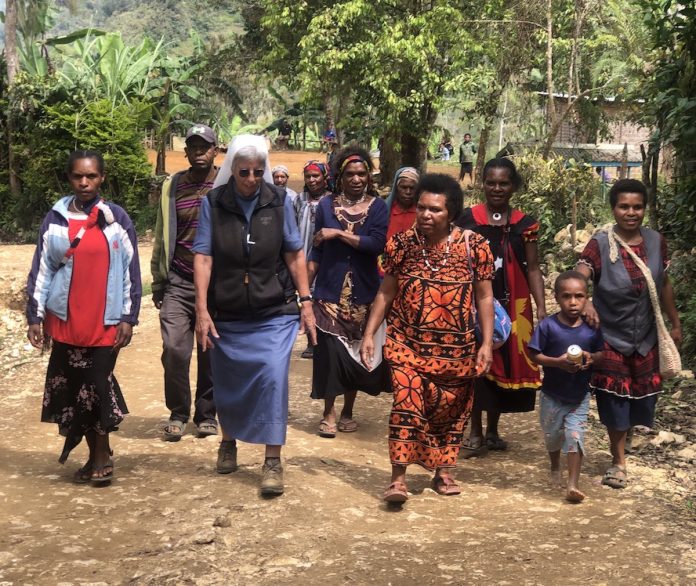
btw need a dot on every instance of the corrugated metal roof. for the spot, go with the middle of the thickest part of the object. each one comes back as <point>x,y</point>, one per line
<point>594,154</point>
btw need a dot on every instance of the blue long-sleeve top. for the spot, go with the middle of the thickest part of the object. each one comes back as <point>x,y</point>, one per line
<point>336,258</point>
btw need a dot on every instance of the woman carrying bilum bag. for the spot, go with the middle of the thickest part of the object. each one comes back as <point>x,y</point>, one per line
<point>628,380</point>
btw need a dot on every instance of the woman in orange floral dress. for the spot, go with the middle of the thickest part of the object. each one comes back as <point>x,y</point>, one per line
<point>434,273</point>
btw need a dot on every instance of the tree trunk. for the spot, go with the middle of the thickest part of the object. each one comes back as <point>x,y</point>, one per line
<point>11,40</point>
<point>161,165</point>
<point>414,151</point>
<point>649,177</point>
<point>12,68</point>
<point>550,105</point>
<point>623,169</point>
<point>481,154</point>
<point>389,156</point>
<point>414,142</point>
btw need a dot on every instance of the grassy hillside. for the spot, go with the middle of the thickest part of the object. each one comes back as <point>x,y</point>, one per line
<point>213,20</point>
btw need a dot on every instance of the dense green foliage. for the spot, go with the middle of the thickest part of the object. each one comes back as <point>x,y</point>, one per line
<point>549,188</point>
<point>49,124</point>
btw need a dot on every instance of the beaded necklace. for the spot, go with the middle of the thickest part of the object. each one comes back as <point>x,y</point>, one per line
<point>349,203</point>
<point>443,262</point>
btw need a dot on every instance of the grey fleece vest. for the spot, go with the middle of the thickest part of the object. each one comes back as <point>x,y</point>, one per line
<point>627,317</point>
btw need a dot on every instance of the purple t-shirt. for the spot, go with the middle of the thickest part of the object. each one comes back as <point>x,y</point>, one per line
<point>552,338</point>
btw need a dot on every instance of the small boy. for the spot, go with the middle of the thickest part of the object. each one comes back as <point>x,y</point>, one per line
<point>565,398</point>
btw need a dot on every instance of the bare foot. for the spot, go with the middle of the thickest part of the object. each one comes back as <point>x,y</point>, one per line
<point>555,479</point>
<point>574,495</point>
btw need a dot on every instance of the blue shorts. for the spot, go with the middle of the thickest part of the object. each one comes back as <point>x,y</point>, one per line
<point>564,424</point>
<point>622,413</point>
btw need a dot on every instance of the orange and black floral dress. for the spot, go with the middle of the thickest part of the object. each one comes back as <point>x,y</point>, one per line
<point>430,345</point>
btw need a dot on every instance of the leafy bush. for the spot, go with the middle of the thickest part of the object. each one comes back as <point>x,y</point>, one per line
<point>677,205</point>
<point>49,124</point>
<point>548,190</point>
<point>682,273</point>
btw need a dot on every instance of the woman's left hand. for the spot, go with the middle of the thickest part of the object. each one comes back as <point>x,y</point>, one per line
<point>541,313</point>
<point>484,359</point>
<point>325,234</point>
<point>124,332</point>
<point>308,323</point>
<point>676,334</point>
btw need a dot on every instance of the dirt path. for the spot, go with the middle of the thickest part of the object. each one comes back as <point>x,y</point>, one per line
<point>169,518</point>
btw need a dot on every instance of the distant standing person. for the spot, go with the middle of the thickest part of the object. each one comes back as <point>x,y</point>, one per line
<point>84,296</point>
<point>281,174</point>
<point>467,150</point>
<point>444,152</point>
<point>172,286</point>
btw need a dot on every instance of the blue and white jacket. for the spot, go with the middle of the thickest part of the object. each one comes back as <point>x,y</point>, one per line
<point>48,284</point>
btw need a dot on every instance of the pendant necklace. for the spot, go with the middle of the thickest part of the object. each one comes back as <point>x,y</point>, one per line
<point>495,216</point>
<point>443,262</point>
<point>78,209</point>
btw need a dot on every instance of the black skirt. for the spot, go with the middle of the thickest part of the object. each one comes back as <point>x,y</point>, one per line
<point>81,393</point>
<point>334,371</point>
<point>488,396</point>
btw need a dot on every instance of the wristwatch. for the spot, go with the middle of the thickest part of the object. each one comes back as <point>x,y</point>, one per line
<point>305,298</point>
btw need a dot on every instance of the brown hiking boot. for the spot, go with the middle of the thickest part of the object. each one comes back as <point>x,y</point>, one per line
<point>272,479</point>
<point>227,457</point>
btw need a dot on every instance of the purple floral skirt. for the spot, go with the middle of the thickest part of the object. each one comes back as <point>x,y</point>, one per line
<point>81,393</point>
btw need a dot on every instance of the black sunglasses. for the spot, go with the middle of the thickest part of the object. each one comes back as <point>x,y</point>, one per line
<point>246,172</point>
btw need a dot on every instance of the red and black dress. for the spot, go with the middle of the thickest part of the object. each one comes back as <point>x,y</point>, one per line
<point>511,384</point>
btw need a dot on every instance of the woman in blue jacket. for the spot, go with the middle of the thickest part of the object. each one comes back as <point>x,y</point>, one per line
<point>350,234</point>
<point>84,297</point>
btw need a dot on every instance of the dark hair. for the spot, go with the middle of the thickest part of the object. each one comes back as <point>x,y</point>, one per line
<point>85,154</point>
<point>568,276</point>
<point>504,163</point>
<point>467,134</point>
<point>349,151</point>
<point>627,186</point>
<point>445,185</point>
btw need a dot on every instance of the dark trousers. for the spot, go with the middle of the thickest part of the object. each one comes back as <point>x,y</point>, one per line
<point>177,324</point>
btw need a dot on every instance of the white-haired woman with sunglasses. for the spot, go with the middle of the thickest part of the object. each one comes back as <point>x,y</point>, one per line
<point>249,271</point>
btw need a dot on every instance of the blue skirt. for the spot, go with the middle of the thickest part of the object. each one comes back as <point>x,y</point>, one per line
<point>250,364</point>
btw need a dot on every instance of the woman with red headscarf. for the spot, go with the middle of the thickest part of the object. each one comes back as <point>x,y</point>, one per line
<point>350,233</point>
<point>316,178</point>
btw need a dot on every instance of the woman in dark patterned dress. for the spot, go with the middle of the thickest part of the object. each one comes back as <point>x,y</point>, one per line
<point>511,384</point>
<point>434,273</point>
<point>627,381</point>
<point>350,232</point>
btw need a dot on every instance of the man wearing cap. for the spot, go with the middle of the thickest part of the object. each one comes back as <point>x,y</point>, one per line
<point>173,292</point>
<point>281,174</point>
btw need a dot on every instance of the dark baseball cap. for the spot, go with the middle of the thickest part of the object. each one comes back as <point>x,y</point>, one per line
<point>205,132</point>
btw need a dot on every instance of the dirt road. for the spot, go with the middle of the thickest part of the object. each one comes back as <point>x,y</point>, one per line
<point>168,518</point>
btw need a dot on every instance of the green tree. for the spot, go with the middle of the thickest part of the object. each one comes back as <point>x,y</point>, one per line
<point>392,61</point>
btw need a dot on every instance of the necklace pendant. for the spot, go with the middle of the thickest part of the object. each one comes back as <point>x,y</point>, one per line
<point>497,216</point>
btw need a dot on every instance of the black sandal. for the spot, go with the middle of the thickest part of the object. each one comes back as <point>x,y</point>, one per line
<point>104,478</point>
<point>83,475</point>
